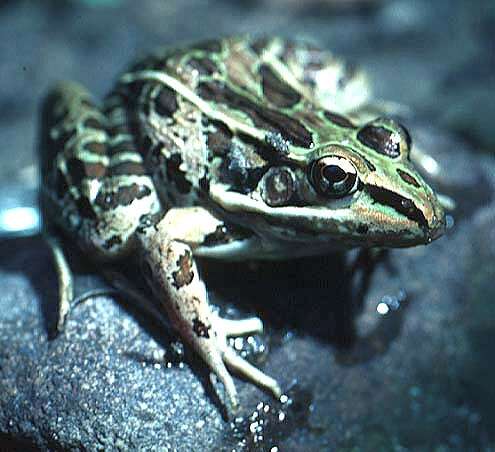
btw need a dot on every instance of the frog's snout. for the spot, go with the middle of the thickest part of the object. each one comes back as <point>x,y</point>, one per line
<point>437,224</point>
<point>436,229</point>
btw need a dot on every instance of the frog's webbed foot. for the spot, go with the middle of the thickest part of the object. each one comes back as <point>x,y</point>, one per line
<point>173,275</point>
<point>227,328</point>
<point>220,357</point>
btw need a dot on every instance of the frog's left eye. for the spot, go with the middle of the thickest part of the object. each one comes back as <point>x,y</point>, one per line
<point>333,176</point>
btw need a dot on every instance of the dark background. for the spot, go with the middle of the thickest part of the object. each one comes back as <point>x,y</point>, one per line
<point>419,378</point>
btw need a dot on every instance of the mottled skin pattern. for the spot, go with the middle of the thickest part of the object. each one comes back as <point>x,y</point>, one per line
<point>235,149</point>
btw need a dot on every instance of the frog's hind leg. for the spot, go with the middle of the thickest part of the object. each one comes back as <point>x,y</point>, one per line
<point>94,187</point>
<point>59,126</point>
<point>168,248</point>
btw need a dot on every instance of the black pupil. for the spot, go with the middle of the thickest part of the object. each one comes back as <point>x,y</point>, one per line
<point>334,174</point>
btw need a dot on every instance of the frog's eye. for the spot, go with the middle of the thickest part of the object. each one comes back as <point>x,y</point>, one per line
<point>333,176</point>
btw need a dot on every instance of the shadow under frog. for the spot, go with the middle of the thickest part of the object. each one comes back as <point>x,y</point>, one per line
<point>318,296</point>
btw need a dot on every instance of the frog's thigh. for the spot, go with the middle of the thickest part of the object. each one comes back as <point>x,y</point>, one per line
<point>169,247</point>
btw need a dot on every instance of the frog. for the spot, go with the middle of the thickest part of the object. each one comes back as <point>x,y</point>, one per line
<point>238,148</point>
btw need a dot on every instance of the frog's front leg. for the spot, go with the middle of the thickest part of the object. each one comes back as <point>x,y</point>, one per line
<point>172,272</point>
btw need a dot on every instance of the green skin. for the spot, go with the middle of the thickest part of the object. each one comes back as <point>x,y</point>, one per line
<point>226,149</point>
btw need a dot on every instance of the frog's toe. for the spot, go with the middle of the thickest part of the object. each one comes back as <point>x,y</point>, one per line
<point>224,376</point>
<point>248,371</point>
<point>230,327</point>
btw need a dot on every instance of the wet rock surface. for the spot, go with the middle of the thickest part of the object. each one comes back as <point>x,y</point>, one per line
<point>391,359</point>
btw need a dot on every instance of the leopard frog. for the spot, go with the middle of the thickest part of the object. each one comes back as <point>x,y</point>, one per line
<point>238,148</point>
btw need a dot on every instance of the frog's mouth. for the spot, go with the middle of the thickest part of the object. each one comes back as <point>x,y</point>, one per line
<point>379,218</point>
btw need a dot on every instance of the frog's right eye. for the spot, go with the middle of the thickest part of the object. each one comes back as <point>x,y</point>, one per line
<point>333,176</point>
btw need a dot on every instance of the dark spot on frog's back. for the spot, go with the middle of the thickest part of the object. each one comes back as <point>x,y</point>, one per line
<point>277,91</point>
<point>407,178</point>
<point>380,140</point>
<point>166,102</point>
<point>184,274</point>
<point>266,118</point>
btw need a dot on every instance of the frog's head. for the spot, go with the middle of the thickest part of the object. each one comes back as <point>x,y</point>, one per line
<point>361,189</point>
<point>374,189</point>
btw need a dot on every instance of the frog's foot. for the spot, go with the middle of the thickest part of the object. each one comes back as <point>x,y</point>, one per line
<point>174,278</point>
<point>227,328</point>
<point>219,356</point>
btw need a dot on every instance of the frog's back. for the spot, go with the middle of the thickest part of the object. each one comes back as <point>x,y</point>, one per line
<point>215,113</point>
<point>221,112</point>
